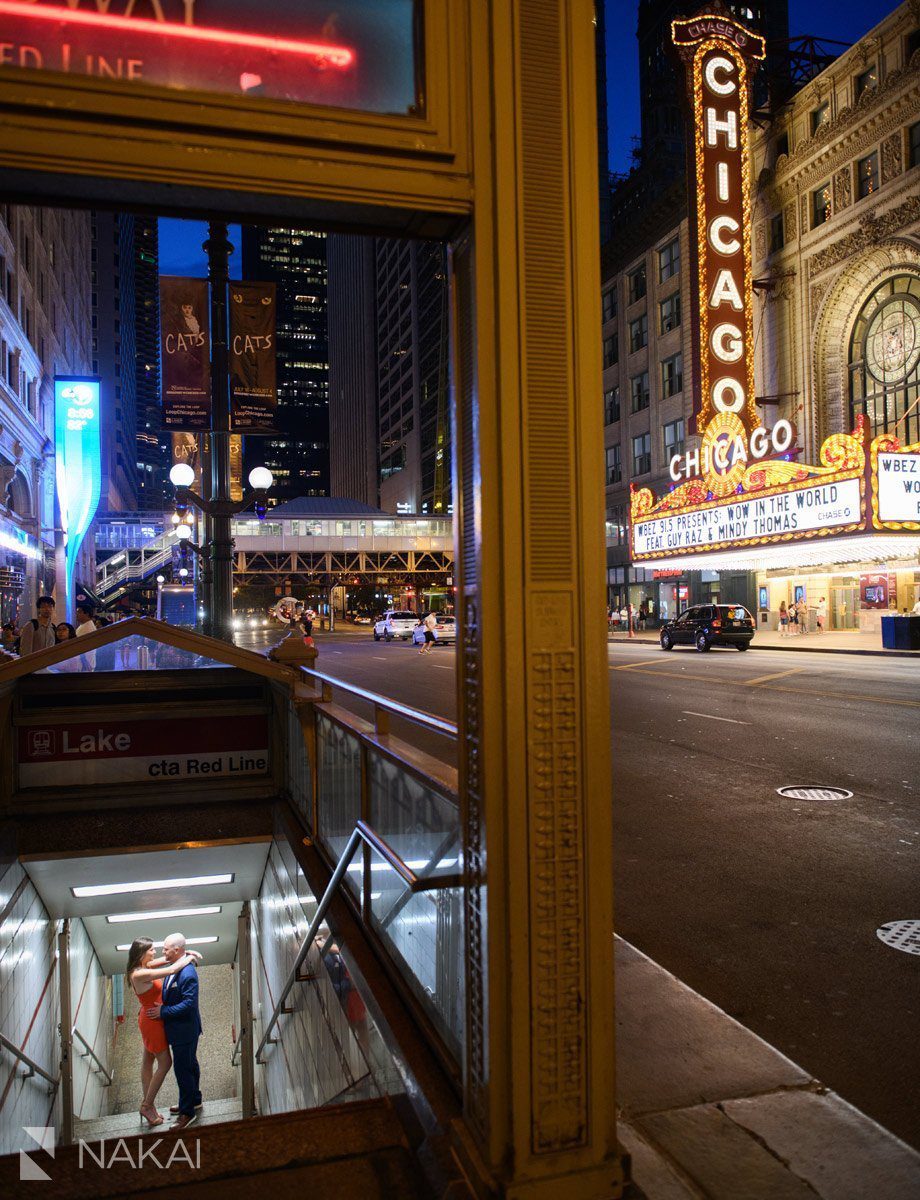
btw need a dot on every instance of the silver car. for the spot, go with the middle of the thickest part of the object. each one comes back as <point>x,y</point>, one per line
<point>397,623</point>
<point>444,631</point>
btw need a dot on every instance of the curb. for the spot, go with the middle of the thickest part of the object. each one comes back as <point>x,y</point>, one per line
<point>786,649</point>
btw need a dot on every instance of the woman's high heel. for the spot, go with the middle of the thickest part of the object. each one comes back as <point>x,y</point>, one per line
<point>144,1117</point>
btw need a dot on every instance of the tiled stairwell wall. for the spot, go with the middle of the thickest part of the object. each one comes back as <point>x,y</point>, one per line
<point>30,1011</point>
<point>91,998</point>
<point>28,1005</point>
<point>317,1057</point>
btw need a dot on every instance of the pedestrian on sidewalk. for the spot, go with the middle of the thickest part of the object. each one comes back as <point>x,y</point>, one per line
<point>801,612</point>
<point>821,615</point>
<point>783,619</point>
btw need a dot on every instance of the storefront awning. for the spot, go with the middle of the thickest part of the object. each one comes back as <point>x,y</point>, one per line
<point>818,552</point>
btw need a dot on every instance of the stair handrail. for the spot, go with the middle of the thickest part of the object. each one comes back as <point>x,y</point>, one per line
<point>33,1068</point>
<point>88,1050</point>
<point>236,1046</point>
<point>362,832</point>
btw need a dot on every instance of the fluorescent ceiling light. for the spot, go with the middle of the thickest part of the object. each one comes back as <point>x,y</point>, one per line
<point>149,885</point>
<point>199,941</point>
<point>817,552</point>
<point>163,914</point>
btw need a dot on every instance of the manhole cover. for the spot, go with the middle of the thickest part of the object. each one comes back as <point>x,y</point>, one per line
<point>801,792</point>
<point>900,935</point>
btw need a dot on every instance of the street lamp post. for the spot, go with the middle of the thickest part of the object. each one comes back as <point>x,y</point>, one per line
<point>219,513</point>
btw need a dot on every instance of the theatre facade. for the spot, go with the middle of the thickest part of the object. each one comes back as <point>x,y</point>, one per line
<point>803,479</point>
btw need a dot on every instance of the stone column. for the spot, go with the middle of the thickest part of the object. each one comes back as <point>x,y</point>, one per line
<point>532,664</point>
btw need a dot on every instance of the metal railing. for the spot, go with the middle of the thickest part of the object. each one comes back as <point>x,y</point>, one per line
<point>415,884</point>
<point>32,1067</point>
<point>237,1046</point>
<point>89,1052</point>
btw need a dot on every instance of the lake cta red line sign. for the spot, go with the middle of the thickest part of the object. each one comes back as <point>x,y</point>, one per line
<point>136,751</point>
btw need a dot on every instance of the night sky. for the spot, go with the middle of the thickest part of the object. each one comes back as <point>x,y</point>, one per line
<point>181,252</point>
<point>843,20</point>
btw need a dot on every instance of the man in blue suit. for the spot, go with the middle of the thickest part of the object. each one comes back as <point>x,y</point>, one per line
<point>182,1022</point>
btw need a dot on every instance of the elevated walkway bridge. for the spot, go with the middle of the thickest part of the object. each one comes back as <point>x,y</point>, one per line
<point>156,780</point>
<point>309,542</point>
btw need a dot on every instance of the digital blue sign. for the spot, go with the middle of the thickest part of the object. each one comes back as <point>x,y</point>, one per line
<point>78,462</point>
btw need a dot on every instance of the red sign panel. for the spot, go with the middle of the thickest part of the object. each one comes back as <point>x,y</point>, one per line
<point>116,751</point>
<point>354,54</point>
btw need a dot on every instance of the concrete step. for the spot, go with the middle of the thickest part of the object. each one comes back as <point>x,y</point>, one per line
<point>129,1124</point>
<point>356,1151</point>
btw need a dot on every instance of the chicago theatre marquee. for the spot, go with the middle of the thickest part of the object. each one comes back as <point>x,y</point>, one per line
<point>805,472</point>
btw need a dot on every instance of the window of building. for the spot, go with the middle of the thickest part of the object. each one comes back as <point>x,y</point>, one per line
<point>867,175</point>
<point>672,375</point>
<point>611,351</point>
<point>611,405</point>
<point>614,468</point>
<point>913,145</point>
<point>820,205</point>
<point>782,145</point>
<point>609,304</point>
<point>669,313</point>
<point>669,260</point>
<point>642,454</point>
<point>884,359</point>
<point>638,392</point>
<point>776,233</point>
<point>820,116</point>
<point>638,333</point>
<point>636,284</point>
<point>673,438</point>
<point>616,524</point>
<point>911,45</point>
<point>866,80</point>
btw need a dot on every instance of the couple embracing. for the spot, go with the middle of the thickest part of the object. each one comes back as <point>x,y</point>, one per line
<point>170,1024</point>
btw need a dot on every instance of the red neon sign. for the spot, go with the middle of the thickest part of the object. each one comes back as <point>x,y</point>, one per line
<point>336,56</point>
<point>363,57</point>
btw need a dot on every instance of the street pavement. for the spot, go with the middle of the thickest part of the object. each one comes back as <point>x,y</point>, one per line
<point>767,906</point>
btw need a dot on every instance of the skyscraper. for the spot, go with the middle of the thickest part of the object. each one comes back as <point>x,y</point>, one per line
<point>298,454</point>
<point>389,371</point>
<point>352,368</point>
<point>113,314</point>
<point>152,442</point>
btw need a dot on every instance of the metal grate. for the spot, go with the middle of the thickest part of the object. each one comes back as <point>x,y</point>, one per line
<point>900,935</point>
<point>814,792</point>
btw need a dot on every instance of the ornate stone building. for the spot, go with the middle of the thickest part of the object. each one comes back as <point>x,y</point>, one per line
<point>45,329</point>
<point>837,241</point>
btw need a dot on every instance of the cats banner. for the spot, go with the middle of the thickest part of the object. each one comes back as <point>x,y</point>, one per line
<point>253,382</point>
<point>185,351</point>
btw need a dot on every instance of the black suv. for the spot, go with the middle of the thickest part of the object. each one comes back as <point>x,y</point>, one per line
<point>710,625</point>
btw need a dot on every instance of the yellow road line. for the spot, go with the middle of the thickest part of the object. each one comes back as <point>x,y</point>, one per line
<point>775,675</point>
<point>775,687</point>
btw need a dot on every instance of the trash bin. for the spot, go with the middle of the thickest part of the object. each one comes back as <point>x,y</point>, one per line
<point>901,633</point>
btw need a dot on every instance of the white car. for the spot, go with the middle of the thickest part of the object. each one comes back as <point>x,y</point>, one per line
<point>397,623</point>
<point>445,630</point>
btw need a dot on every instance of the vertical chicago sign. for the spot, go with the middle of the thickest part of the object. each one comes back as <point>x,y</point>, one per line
<point>718,54</point>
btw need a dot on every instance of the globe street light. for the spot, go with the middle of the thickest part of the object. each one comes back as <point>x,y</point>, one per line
<point>181,475</point>
<point>219,548</point>
<point>261,479</point>
<point>161,579</point>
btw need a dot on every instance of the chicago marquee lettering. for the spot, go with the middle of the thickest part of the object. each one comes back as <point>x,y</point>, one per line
<point>717,52</point>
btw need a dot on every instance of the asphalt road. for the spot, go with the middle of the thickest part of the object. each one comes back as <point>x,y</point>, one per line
<point>768,906</point>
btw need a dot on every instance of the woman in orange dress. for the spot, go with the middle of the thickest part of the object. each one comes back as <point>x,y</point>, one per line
<point>145,973</point>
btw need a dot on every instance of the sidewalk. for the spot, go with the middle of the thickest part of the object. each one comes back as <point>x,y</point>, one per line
<point>843,642</point>
<point>708,1110</point>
